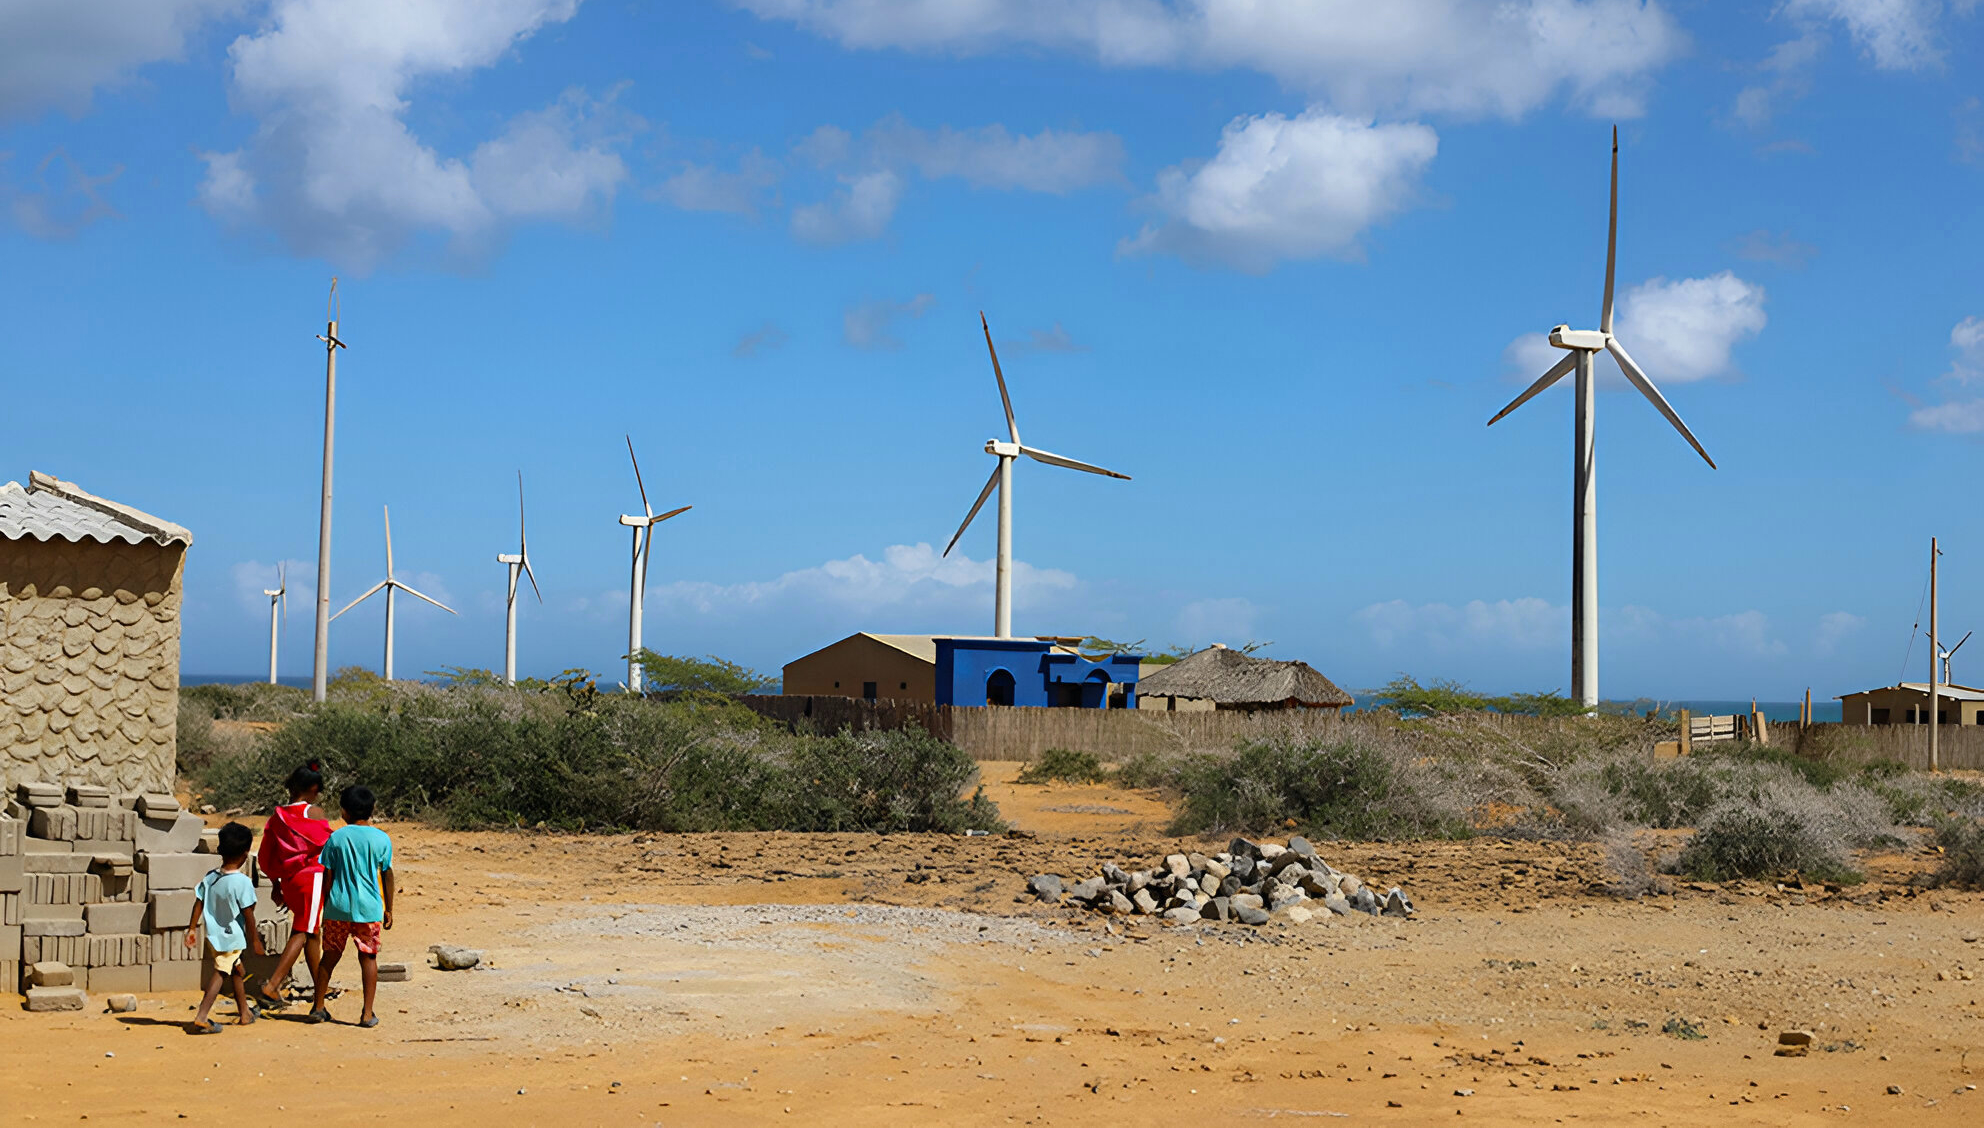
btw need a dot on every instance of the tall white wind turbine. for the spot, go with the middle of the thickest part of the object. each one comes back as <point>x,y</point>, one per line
<point>1002,480</point>
<point>279,603</point>
<point>637,591</point>
<point>519,561</point>
<point>1581,347</point>
<point>389,585</point>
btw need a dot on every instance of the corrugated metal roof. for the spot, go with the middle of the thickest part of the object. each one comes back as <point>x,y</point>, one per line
<point>1947,691</point>
<point>50,508</point>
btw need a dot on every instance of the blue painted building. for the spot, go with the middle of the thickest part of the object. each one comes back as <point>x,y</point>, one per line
<point>948,670</point>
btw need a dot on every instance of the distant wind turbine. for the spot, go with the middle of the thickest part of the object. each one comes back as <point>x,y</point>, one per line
<point>1951,653</point>
<point>1002,480</point>
<point>520,561</point>
<point>279,599</point>
<point>389,585</point>
<point>643,526</point>
<point>1582,345</point>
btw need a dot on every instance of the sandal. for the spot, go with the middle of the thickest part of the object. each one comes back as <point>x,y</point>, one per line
<point>369,1023</point>
<point>318,1015</point>
<point>264,999</point>
<point>207,1027</point>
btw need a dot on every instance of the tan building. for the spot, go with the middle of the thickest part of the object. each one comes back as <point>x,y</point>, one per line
<point>89,639</point>
<point>1908,704</point>
<point>874,666</point>
<point>1222,678</point>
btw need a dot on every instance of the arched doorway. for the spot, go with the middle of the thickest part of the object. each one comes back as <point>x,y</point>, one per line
<point>999,688</point>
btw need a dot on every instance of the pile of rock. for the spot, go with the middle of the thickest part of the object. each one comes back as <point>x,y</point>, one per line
<point>1250,882</point>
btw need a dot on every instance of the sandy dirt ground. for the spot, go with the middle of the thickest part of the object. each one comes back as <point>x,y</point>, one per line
<point>867,980</point>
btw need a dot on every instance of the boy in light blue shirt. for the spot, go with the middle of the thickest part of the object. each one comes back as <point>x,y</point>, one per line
<point>224,903</point>
<point>358,860</point>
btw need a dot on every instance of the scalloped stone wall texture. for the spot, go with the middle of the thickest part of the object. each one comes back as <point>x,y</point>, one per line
<point>89,663</point>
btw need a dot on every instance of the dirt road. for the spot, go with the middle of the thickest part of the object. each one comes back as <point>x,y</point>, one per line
<point>860,980</point>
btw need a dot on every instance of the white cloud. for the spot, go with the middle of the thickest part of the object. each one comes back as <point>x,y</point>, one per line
<point>1285,188</point>
<point>1778,248</point>
<point>1528,623</point>
<point>1895,34</point>
<point>909,585</point>
<point>1530,356</point>
<point>1683,330</point>
<point>1787,76</point>
<point>765,338</point>
<point>1967,341</point>
<point>1958,417</point>
<point>1423,56</point>
<point>699,187</point>
<point>1835,628</point>
<point>989,157</point>
<point>1055,340</point>
<point>1205,621</point>
<point>866,326</point>
<point>860,210</point>
<point>1743,634</point>
<point>333,166</point>
<point>56,53</point>
<point>62,198</point>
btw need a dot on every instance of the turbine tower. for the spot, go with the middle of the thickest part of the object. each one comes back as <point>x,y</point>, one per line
<point>279,600</point>
<point>1581,347</point>
<point>389,585</point>
<point>643,527</point>
<point>1002,480</point>
<point>519,561</point>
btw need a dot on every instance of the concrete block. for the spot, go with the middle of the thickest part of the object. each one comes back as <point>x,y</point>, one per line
<point>124,887</point>
<point>66,862</point>
<point>43,999</point>
<point>394,973</point>
<point>10,941</point>
<point>11,907</point>
<point>179,975</point>
<point>121,918</point>
<point>106,860</point>
<point>169,833</point>
<point>259,968</point>
<point>155,805</point>
<point>39,794</point>
<point>65,889</point>
<point>170,909</point>
<point>176,871</point>
<point>10,977</point>
<point>116,951</point>
<point>56,824</point>
<point>10,836</point>
<point>106,825</point>
<point>89,795</point>
<point>12,866</point>
<point>49,973</point>
<point>114,980</point>
<point>170,944</point>
<point>54,926</point>
<point>63,949</point>
<point>33,845</point>
<point>209,841</point>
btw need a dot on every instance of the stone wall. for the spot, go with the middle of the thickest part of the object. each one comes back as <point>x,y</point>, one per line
<point>89,663</point>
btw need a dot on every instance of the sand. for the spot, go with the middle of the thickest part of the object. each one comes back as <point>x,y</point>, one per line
<point>864,980</point>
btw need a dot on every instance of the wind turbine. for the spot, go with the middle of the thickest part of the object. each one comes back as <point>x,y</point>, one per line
<point>519,561</point>
<point>388,585</point>
<point>1951,653</point>
<point>643,527</point>
<point>1581,347</point>
<point>1002,480</point>
<point>279,598</point>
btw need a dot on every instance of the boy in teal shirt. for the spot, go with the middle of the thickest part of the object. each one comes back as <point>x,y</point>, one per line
<point>224,902</point>
<point>358,861</point>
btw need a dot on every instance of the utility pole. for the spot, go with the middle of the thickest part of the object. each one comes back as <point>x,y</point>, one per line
<point>1935,657</point>
<point>320,680</point>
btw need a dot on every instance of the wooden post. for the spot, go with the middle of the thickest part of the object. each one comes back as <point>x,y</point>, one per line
<point>1687,735</point>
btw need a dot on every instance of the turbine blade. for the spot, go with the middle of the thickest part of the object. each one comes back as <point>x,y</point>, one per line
<point>522,537</point>
<point>428,598</point>
<point>1638,377</point>
<point>991,484</point>
<point>1959,644</point>
<point>660,517</point>
<point>999,375</point>
<point>389,541</point>
<point>1555,374</point>
<point>1611,239</point>
<point>645,507</point>
<point>1052,459</point>
<point>369,593</point>
<point>533,580</point>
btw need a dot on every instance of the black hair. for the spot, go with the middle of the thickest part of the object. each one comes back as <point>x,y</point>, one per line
<point>310,775</point>
<point>358,802</point>
<point>235,840</point>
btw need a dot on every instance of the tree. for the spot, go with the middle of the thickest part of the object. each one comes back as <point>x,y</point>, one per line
<point>709,673</point>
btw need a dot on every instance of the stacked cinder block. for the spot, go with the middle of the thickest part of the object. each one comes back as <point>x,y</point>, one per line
<point>103,886</point>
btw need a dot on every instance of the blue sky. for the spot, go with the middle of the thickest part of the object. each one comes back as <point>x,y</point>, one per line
<point>1279,261</point>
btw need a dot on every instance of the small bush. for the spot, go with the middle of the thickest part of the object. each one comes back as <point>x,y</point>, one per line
<point>1775,836</point>
<point>1061,764</point>
<point>1162,771</point>
<point>1962,843</point>
<point>1334,789</point>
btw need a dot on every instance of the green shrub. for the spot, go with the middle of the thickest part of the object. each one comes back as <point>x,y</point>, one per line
<point>1776,836</point>
<point>1334,789</point>
<point>1962,843</point>
<point>1061,764</point>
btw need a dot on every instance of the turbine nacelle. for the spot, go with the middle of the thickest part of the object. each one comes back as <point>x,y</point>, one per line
<point>508,558</point>
<point>1003,450</point>
<point>1588,340</point>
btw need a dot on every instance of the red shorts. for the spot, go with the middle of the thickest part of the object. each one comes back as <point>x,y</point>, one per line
<point>303,896</point>
<point>365,934</point>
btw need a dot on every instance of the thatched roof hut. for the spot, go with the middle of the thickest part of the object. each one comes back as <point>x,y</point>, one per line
<point>1223,678</point>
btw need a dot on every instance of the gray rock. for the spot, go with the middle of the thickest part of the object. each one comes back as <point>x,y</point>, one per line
<point>1283,862</point>
<point>1245,901</point>
<point>1209,885</point>
<point>1120,904</point>
<point>1300,845</point>
<point>1364,901</point>
<point>1338,904</point>
<point>1242,848</point>
<point>43,999</point>
<point>121,1004</point>
<point>1297,914</point>
<point>1397,904</point>
<point>1292,874</point>
<point>1269,851</point>
<point>1246,915</point>
<point>1088,890</point>
<point>1230,886</point>
<point>1140,879</point>
<point>1046,886</point>
<point>1197,861</point>
<point>1317,884</point>
<point>448,957</point>
<point>1217,868</point>
<point>1145,903</point>
<point>1114,875</point>
<point>1243,866</point>
<point>1177,864</point>
<point>1182,916</point>
<point>1348,885</point>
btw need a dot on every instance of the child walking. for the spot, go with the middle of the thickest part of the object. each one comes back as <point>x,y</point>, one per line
<point>358,860</point>
<point>292,842</point>
<point>224,902</point>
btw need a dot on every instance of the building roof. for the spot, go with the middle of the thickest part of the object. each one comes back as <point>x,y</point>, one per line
<point>924,647</point>
<point>50,508</point>
<point>1952,692</point>
<point>1229,677</point>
